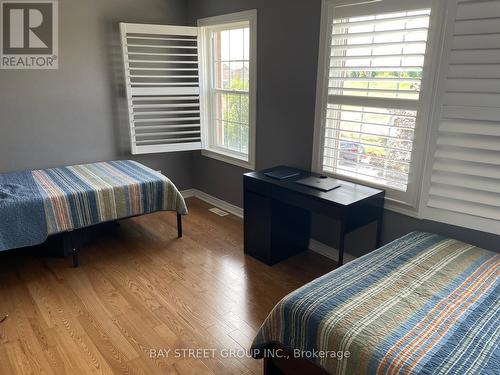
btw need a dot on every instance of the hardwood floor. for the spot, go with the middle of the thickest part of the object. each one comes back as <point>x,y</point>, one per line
<point>140,289</point>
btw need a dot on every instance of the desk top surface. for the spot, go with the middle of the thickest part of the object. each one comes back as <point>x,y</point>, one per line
<point>348,193</point>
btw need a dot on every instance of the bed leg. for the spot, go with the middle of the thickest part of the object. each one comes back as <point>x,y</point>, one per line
<point>76,258</point>
<point>70,247</point>
<point>270,368</point>
<point>179,225</point>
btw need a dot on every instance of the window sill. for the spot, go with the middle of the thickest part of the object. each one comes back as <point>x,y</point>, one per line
<point>228,158</point>
<point>400,208</point>
<point>390,202</point>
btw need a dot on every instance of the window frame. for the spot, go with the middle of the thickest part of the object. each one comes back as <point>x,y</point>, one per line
<point>403,202</point>
<point>206,27</point>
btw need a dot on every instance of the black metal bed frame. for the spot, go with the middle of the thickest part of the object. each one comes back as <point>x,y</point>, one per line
<point>70,247</point>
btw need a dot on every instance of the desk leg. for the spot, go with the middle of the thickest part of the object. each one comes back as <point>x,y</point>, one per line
<point>379,233</point>
<point>380,220</point>
<point>341,245</point>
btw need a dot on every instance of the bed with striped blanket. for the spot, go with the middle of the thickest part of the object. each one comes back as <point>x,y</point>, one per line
<point>69,198</point>
<point>422,304</point>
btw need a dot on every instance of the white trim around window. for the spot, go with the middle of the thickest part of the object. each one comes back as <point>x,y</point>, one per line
<point>398,200</point>
<point>245,157</point>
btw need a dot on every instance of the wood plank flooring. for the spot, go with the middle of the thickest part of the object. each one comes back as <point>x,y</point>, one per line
<point>140,289</point>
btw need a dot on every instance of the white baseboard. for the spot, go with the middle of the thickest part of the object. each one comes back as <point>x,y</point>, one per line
<point>188,193</point>
<point>316,246</point>
<point>223,205</point>
<point>328,251</point>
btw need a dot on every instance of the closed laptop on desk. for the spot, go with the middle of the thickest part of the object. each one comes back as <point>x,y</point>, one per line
<point>321,183</point>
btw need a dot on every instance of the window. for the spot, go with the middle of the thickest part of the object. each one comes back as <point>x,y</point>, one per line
<point>228,54</point>
<point>370,94</point>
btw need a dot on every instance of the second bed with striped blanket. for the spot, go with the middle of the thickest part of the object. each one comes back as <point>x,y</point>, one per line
<point>84,195</point>
<point>423,304</point>
<point>37,204</point>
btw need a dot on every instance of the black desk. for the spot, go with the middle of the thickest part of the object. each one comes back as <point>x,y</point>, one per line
<point>278,213</point>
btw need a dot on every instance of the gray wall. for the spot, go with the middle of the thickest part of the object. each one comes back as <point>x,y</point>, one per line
<point>288,39</point>
<point>74,114</point>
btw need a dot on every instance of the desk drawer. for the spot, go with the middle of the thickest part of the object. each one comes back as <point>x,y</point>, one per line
<point>306,202</point>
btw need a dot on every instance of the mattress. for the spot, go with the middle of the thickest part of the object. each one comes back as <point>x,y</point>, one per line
<point>422,304</point>
<point>69,198</point>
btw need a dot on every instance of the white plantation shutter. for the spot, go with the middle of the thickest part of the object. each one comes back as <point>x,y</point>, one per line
<point>162,80</point>
<point>464,180</point>
<point>374,76</point>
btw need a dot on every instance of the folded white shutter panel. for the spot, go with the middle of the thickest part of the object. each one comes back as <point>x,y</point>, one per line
<point>162,81</point>
<point>465,174</point>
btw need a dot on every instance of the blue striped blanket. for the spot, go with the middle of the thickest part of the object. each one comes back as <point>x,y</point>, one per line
<point>20,208</point>
<point>423,304</point>
<point>68,198</point>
